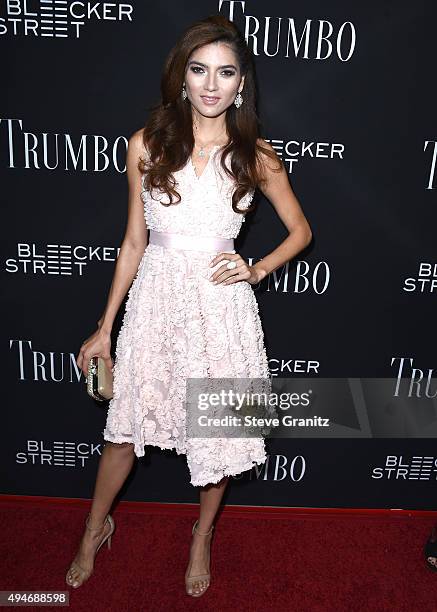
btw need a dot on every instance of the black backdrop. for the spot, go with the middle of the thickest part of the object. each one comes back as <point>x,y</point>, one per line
<point>349,104</point>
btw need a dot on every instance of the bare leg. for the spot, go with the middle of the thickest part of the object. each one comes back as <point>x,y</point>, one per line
<point>210,499</point>
<point>114,467</point>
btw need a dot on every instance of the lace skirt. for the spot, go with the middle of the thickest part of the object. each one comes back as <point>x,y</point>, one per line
<point>177,325</point>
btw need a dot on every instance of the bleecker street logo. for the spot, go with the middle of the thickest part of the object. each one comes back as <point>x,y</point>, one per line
<point>399,468</point>
<point>292,151</point>
<point>58,259</point>
<point>57,453</point>
<point>58,18</point>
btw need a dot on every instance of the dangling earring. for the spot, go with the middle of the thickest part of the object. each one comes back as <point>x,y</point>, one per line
<point>238,100</point>
<point>184,92</point>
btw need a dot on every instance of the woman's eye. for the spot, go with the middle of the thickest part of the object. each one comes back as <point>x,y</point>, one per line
<point>199,70</point>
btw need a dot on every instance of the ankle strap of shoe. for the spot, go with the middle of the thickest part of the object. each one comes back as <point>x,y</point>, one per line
<point>95,528</point>
<point>199,532</point>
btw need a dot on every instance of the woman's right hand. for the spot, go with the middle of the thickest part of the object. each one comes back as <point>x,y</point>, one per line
<point>97,345</point>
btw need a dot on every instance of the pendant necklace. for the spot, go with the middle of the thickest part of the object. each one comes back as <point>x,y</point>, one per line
<point>201,152</point>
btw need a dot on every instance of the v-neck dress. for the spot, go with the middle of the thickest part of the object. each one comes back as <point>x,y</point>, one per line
<point>177,325</point>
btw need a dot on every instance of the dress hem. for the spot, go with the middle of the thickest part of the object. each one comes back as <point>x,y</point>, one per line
<point>140,452</point>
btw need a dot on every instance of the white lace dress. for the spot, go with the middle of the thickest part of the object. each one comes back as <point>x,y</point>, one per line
<point>178,324</point>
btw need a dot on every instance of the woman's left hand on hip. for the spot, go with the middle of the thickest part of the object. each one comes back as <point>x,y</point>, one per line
<point>241,271</point>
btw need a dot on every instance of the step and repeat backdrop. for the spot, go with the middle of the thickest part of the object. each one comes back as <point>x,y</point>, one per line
<point>347,99</point>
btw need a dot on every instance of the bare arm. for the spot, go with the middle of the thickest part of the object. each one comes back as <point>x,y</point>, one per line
<point>135,238</point>
<point>278,190</point>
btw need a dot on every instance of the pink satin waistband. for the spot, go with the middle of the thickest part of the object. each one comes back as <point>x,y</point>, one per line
<point>191,243</point>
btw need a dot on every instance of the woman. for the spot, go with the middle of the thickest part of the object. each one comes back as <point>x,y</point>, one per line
<point>191,312</point>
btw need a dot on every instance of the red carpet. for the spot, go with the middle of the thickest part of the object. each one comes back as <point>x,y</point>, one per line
<point>302,563</point>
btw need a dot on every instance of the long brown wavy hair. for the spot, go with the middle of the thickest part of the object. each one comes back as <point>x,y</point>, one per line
<point>168,134</point>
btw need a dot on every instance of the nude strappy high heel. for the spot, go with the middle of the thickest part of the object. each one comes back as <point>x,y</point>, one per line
<point>83,573</point>
<point>191,580</point>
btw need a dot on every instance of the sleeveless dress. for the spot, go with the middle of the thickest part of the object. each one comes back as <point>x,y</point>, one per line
<point>178,324</point>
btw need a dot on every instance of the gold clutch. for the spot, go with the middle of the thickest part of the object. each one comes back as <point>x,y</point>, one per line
<point>99,380</point>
